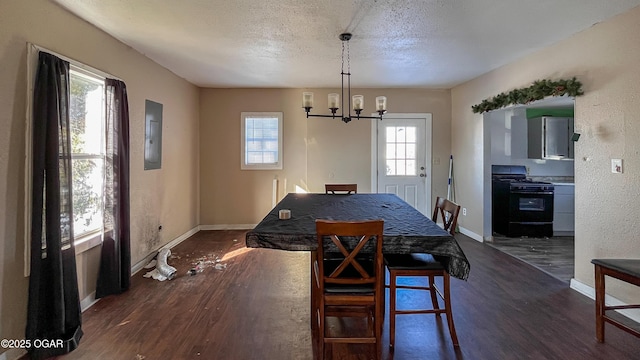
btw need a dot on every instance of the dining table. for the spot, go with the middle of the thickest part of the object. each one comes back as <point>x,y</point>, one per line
<point>406,230</point>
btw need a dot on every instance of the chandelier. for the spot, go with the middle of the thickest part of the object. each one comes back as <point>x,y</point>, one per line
<point>335,99</point>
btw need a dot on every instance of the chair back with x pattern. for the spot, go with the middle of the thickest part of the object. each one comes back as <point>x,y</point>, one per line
<point>351,269</point>
<point>449,212</point>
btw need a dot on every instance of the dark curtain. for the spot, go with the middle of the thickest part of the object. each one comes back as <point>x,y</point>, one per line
<point>115,263</point>
<point>54,305</point>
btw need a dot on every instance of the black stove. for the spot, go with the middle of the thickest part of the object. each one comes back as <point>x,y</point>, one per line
<point>520,206</point>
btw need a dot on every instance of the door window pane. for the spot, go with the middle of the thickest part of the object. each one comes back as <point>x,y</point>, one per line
<point>401,151</point>
<point>411,134</point>
<point>391,134</point>
<point>401,154</point>
<point>391,167</point>
<point>391,151</point>
<point>411,151</point>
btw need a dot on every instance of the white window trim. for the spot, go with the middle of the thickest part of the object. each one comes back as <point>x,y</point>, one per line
<point>275,166</point>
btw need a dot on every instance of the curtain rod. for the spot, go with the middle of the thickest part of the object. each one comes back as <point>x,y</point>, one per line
<point>75,62</point>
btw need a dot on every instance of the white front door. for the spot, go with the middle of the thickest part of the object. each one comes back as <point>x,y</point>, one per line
<point>403,161</point>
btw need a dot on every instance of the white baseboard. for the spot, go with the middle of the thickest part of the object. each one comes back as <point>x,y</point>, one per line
<point>583,289</point>
<point>590,292</point>
<point>228,227</point>
<point>470,234</point>
<point>140,264</point>
<point>88,301</point>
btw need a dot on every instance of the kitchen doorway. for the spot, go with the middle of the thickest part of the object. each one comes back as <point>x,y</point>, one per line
<point>506,143</point>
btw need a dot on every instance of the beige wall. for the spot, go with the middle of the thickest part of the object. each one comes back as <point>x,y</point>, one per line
<point>167,197</point>
<point>605,58</point>
<point>201,182</point>
<point>314,148</point>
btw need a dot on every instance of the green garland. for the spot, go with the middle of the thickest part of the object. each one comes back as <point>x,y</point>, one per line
<point>539,90</point>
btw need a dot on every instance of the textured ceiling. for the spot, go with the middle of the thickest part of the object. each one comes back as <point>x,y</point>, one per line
<point>294,43</point>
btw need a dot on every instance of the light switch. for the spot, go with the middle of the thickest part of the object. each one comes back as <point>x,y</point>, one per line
<point>616,166</point>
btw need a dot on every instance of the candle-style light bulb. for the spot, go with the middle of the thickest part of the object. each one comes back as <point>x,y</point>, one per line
<point>358,102</point>
<point>307,99</point>
<point>381,103</point>
<point>334,100</point>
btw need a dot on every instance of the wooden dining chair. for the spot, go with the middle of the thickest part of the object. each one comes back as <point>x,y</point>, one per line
<point>341,188</point>
<point>351,286</point>
<point>424,265</point>
<point>330,189</point>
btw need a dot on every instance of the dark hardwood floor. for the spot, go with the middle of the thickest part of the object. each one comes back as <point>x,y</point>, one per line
<point>258,308</point>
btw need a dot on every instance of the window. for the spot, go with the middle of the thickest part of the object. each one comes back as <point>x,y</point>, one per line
<point>261,141</point>
<point>401,151</point>
<point>87,114</point>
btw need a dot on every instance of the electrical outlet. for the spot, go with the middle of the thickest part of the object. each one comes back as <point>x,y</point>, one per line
<point>616,166</point>
<point>464,211</point>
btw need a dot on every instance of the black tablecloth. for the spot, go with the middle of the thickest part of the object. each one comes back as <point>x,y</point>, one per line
<point>406,230</point>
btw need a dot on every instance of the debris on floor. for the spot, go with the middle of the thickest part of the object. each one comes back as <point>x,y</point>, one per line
<point>196,263</point>
<point>151,264</point>
<point>207,261</point>
<point>163,271</point>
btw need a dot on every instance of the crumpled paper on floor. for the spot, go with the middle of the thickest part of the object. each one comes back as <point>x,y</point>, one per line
<point>156,275</point>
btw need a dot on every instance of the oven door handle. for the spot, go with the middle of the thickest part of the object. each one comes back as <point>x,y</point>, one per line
<point>532,192</point>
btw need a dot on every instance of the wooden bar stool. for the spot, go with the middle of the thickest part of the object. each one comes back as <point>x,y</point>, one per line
<point>622,269</point>
<point>329,189</point>
<point>349,286</point>
<point>424,265</point>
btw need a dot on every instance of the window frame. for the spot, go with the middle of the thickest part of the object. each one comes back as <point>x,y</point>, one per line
<point>90,240</point>
<point>278,164</point>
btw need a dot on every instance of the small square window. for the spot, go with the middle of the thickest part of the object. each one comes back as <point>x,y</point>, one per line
<point>261,141</point>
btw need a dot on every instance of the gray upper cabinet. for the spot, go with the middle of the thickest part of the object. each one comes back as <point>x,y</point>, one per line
<point>550,137</point>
